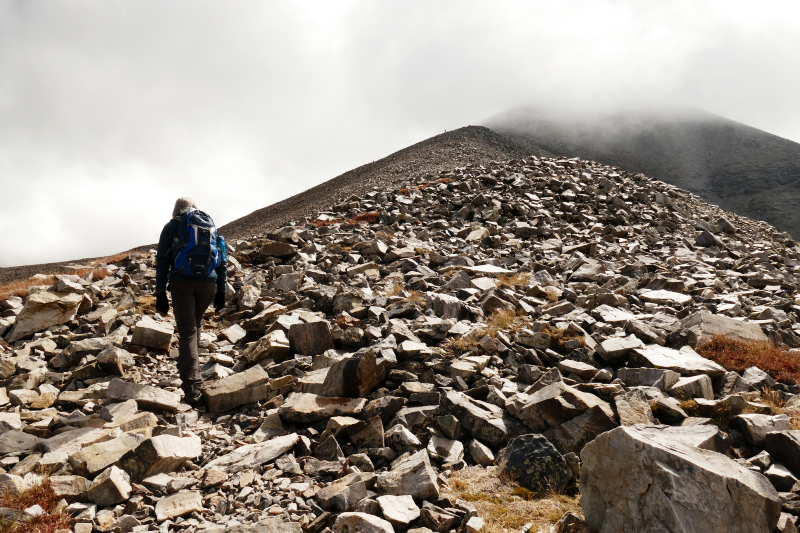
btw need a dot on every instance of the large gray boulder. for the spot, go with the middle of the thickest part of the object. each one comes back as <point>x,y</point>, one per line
<point>702,326</point>
<point>43,310</point>
<point>534,463</point>
<point>633,481</point>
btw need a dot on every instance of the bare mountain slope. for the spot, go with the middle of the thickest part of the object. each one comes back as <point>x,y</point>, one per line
<point>471,144</point>
<point>740,168</point>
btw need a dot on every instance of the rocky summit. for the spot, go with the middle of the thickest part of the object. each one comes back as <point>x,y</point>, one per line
<point>540,318</point>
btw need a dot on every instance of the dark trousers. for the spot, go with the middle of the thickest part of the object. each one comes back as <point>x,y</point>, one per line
<point>190,299</point>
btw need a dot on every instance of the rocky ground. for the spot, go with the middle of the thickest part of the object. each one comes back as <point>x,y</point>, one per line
<point>533,321</point>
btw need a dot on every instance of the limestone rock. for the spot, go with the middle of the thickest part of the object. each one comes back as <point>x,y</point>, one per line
<point>178,504</point>
<point>413,476</point>
<point>632,481</point>
<point>152,334</point>
<point>361,523</point>
<point>250,386</point>
<point>702,326</point>
<point>146,396</point>
<point>111,487</point>
<point>43,310</point>
<point>311,339</point>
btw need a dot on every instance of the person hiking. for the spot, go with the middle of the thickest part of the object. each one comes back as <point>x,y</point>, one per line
<point>192,257</point>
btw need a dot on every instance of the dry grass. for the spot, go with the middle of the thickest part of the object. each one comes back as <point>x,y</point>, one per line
<point>110,259</point>
<point>738,356</point>
<point>501,320</point>
<point>689,406</point>
<point>403,190</point>
<point>517,279</point>
<point>560,336</point>
<point>42,495</point>
<point>444,180</point>
<point>418,299</point>
<point>777,406</point>
<point>20,287</point>
<point>369,218</point>
<point>505,507</point>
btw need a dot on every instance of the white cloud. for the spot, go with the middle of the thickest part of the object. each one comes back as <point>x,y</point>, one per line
<point>111,109</point>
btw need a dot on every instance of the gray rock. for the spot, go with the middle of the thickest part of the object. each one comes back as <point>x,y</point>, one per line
<point>533,462</point>
<point>702,326</point>
<point>179,504</point>
<point>308,408</point>
<point>633,408</point>
<point>255,454</point>
<point>361,523</point>
<point>342,495</point>
<point>483,421</point>
<point>353,376</point>
<point>161,454</point>
<point>274,345</point>
<point>146,397</point>
<point>310,339</point>
<point>110,487</point>
<point>784,447</point>
<point>413,476</point>
<point>250,386</point>
<point>43,310</point>
<point>755,427</point>
<point>685,361</point>
<point>152,334</point>
<point>693,387</point>
<point>399,511</point>
<point>631,481</point>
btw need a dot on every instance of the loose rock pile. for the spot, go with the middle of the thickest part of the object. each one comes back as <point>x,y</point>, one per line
<point>538,316</point>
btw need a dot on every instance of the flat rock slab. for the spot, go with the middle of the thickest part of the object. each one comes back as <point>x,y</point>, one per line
<point>488,270</point>
<point>256,454</point>
<point>413,476</point>
<point>703,326</point>
<point>302,408</point>
<point>43,310</point>
<point>361,523</point>
<point>665,297</point>
<point>310,339</point>
<point>685,361</point>
<point>146,397</point>
<point>161,454</point>
<point>250,386</point>
<point>483,420</point>
<point>152,334</point>
<point>632,481</point>
<point>178,504</point>
<point>95,458</point>
<point>17,442</point>
<point>265,525</point>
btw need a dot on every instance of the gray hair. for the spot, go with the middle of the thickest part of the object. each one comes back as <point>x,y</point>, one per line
<point>181,204</point>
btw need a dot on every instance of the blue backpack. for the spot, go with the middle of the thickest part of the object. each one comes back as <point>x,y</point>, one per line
<point>197,249</point>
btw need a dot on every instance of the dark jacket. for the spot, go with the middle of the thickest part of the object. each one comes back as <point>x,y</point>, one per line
<point>165,262</point>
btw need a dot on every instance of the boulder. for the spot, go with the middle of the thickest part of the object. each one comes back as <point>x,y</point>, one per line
<point>43,310</point>
<point>685,361</point>
<point>353,376</point>
<point>361,523</point>
<point>399,511</point>
<point>533,462</point>
<point>69,487</point>
<point>342,494</point>
<point>482,420</point>
<point>311,339</point>
<point>702,326</point>
<point>633,408</point>
<point>161,454</point>
<point>784,447</point>
<point>110,487</point>
<point>274,345</point>
<point>152,334</point>
<point>179,504</point>
<point>632,481</point>
<point>755,426</point>
<point>307,408</point>
<point>256,454</point>
<point>146,396</point>
<point>413,476</point>
<point>250,386</point>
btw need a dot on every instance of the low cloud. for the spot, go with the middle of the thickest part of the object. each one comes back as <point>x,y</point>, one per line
<point>109,110</point>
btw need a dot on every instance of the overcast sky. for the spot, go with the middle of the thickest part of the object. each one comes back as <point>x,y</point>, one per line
<point>109,110</point>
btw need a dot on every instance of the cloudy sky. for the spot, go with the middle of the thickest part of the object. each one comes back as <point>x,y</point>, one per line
<point>111,109</point>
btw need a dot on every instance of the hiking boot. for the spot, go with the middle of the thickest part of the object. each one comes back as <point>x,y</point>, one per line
<point>194,397</point>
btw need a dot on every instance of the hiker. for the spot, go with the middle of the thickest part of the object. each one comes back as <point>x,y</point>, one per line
<point>191,255</point>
